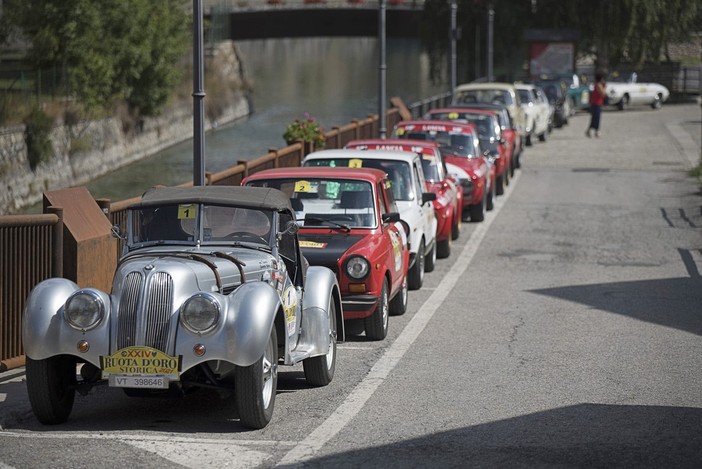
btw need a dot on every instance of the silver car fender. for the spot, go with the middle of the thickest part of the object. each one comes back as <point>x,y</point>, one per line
<point>321,288</point>
<point>248,317</point>
<point>45,333</point>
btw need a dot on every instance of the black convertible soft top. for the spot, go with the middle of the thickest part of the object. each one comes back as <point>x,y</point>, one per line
<point>250,197</point>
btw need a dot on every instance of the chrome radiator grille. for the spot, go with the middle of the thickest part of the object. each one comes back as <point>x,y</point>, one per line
<point>156,298</point>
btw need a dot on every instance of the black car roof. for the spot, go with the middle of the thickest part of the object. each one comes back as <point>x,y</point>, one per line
<point>250,197</point>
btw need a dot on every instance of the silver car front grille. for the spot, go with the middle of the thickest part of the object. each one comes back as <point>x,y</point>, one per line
<point>155,297</point>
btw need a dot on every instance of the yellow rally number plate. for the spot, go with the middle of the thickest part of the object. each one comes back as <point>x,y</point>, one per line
<point>141,361</point>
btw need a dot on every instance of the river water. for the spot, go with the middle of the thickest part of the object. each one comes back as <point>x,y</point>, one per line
<point>333,79</point>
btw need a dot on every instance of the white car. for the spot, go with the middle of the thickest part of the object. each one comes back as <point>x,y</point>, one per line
<point>404,169</point>
<point>537,112</point>
<point>623,90</point>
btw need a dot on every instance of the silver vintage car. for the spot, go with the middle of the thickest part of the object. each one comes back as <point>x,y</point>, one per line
<point>212,291</point>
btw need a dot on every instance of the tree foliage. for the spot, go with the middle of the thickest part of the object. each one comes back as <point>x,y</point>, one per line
<point>108,50</point>
<point>614,31</point>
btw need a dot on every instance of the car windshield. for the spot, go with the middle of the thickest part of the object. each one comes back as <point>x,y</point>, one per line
<point>181,224</point>
<point>430,167</point>
<point>491,96</point>
<point>451,143</point>
<point>525,96</point>
<point>398,172</point>
<point>321,201</point>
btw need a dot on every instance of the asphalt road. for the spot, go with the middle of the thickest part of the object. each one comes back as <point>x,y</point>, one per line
<point>563,331</point>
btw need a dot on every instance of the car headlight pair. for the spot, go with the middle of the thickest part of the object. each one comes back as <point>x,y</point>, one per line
<point>357,267</point>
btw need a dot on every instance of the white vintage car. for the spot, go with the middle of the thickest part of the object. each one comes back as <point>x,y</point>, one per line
<point>404,169</point>
<point>625,90</point>
<point>212,291</point>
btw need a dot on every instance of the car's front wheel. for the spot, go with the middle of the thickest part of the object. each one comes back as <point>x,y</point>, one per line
<point>430,259</point>
<point>415,276</point>
<point>377,323</point>
<point>657,102</point>
<point>51,386</point>
<point>255,386</point>
<point>398,305</point>
<point>319,370</point>
<point>624,103</point>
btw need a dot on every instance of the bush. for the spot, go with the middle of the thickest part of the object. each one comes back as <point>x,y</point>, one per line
<point>38,126</point>
<point>307,130</point>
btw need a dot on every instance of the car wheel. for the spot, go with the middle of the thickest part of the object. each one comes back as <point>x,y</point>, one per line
<point>499,185</point>
<point>490,201</point>
<point>51,386</point>
<point>430,259</point>
<point>319,370</point>
<point>255,386</point>
<point>377,323</point>
<point>477,211</point>
<point>528,140</point>
<point>415,276</point>
<point>542,137</point>
<point>624,103</point>
<point>657,102</point>
<point>506,175</point>
<point>443,248</point>
<point>398,305</point>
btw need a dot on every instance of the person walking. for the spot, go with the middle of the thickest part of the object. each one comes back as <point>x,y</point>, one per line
<point>597,99</point>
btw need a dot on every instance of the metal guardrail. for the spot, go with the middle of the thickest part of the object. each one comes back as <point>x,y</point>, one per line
<point>31,246</point>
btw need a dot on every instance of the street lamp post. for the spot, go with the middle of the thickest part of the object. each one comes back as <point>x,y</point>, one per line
<point>454,35</point>
<point>491,21</point>
<point>382,121</point>
<point>198,98</point>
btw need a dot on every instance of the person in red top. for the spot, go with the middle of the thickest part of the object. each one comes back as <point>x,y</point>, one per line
<point>597,99</point>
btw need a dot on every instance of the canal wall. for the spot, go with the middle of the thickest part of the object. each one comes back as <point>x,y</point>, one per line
<point>106,144</point>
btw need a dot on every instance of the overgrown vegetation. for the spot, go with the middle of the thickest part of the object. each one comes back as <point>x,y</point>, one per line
<point>37,130</point>
<point>106,51</point>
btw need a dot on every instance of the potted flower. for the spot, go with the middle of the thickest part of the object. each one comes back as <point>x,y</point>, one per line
<point>306,129</point>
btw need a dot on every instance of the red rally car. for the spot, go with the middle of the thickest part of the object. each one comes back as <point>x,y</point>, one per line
<point>348,221</point>
<point>490,134</point>
<point>448,205</point>
<point>460,146</point>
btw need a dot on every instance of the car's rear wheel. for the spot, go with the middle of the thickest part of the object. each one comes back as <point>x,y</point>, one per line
<point>443,248</point>
<point>51,386</point>
<point>542,137</point>
<point>415,276</point>
<point>500,184</point>
<point>398,305</point>
<point>490,200</point>
<point>477,211</point>
<point>624,103</point>
<point>255,386</point>
<point>430,259</point>
<point>377,323</point>
<point>657,102</point>
<point>319,370</point>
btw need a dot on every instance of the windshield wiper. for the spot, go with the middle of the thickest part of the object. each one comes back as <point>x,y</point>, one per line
<point>321,220</point>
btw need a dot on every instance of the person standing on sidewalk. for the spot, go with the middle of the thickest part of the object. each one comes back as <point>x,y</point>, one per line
<point>597,99</point>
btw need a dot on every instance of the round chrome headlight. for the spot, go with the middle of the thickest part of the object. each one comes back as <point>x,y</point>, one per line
<point>200,313</point>
<point>84,310</point>
<point>357,267</point>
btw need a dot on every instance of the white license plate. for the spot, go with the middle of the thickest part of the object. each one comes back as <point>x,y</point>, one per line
<point>144,382</point>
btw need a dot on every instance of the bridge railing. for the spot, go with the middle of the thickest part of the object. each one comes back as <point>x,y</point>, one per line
<point>247,5</point>
<point>31,246</point>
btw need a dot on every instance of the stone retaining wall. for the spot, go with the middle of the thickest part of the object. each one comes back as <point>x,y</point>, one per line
<point>109,146</point>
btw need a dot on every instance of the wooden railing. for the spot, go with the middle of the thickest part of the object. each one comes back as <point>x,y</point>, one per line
<point>31,246</point>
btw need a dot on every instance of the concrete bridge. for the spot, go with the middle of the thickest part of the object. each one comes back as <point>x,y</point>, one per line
<point>257,19</point>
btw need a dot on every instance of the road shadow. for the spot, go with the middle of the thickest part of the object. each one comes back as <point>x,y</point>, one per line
<point>585,435</point>
<point>670,302</point>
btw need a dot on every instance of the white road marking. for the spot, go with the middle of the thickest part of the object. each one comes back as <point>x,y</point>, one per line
<point>355,401</point>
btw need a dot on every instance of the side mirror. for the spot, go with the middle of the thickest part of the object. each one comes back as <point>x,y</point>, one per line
<point>428,197</point>
<point>392,217</point>
<point>291,228</point>
<point>117,232</point>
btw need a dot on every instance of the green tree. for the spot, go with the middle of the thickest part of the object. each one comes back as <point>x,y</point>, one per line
<point>108,50</point>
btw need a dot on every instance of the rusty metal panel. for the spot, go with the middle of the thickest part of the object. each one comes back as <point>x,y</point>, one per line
<point>25,260</point>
